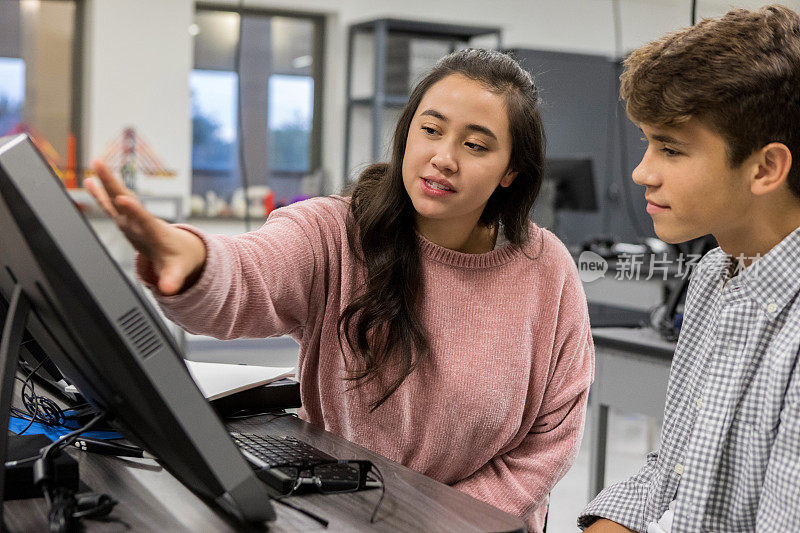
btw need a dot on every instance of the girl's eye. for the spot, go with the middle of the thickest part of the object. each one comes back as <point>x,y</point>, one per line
<point>428,130</point>
<point>475,146</point>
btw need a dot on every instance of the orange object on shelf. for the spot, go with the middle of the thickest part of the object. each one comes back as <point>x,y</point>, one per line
<point>269,203</point>
<point>70,179</point>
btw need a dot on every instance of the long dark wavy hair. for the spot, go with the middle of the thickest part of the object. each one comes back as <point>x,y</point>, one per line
<point>381,324</point>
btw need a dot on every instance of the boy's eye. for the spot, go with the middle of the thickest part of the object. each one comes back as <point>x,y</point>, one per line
<point>670,152</point>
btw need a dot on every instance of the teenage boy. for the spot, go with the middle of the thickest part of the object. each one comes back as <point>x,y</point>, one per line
<point>719,104</point>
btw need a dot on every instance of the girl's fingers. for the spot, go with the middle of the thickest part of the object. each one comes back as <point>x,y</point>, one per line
<point>134,209</point>
<point>112,185</point>
<point>143,229</point>
<point>147,233</point>
<point>100,196</point>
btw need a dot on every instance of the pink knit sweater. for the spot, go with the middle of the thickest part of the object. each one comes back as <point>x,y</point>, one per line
<point>498,410</point>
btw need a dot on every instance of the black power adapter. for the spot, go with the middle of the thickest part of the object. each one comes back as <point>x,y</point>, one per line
<point>281,394</point>
<point>19,477</point>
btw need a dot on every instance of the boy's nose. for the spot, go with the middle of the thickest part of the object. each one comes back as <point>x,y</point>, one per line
<point>644,174</point>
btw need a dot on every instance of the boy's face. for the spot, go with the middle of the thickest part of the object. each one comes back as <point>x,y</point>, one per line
<point>691,189</point>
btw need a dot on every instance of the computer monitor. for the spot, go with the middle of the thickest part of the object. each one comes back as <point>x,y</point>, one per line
<point>105,337</point>
<point>574,179</point>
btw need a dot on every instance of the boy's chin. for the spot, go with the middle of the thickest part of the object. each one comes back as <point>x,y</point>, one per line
<point>673,235</point>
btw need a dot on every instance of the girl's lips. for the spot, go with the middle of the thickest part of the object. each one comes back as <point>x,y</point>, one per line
<point>437,193</point>
<point>655,208</point>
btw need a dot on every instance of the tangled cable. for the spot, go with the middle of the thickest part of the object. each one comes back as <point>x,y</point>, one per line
<point>40,408</point>
<point>64,510</point>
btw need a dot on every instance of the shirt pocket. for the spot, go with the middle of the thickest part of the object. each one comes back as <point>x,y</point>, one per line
<point>742,470</point>
<point>758,404</point>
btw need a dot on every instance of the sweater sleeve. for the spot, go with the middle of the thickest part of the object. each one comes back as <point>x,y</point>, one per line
<point>520,480</point>
<point>257,284</point>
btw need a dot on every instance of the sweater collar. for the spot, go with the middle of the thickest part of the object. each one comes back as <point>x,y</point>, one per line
<point>499,256</point>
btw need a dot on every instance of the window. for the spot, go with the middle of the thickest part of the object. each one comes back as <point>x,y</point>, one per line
<point>279,63</point>
<point>214,135</point>
<point>12,93</point>
<point>291,108</point>
<point>40,78</point>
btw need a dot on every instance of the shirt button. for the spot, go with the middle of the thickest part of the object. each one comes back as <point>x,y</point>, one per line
<point>699,403</point>
<point>772,307</point>
<point>679,469</point>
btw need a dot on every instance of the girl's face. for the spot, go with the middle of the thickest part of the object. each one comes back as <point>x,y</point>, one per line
<point>457,152</point>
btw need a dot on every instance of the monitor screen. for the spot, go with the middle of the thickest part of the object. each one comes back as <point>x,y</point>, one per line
<point>574,179</point>
<point>106,338</point>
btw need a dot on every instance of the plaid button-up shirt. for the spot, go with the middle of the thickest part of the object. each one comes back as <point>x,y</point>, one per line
<point>730,446</point>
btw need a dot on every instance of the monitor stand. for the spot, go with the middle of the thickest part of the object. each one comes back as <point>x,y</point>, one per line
<point>13,330</point>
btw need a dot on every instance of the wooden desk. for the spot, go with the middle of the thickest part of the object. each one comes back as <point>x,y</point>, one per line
<point>152,500</point>
<point>631,372</point>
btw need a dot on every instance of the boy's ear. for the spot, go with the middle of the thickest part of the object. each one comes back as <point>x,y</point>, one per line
<point>774,161</point>
<point>508,178</point>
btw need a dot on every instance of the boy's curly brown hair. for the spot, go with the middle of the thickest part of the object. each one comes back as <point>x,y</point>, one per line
<point>738,74</point>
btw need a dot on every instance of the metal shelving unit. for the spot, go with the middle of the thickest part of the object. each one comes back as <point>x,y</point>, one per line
<point>383,98</point>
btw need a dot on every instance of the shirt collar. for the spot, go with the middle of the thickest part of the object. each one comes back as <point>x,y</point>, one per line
<point>774,279</point>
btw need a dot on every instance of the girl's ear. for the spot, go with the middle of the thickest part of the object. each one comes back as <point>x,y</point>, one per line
<point>508,179</point>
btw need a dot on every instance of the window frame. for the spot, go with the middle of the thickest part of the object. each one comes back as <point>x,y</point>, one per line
<point>76,85</point>
<point>317,67</point>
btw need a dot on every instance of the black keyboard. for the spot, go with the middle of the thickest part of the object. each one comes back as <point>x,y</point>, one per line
<point>264,452</point>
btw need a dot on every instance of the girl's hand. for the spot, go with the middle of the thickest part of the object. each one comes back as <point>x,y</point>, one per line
<point>177,255</point>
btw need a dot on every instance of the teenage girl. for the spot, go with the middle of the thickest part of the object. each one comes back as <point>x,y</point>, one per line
<point>437,324</point>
